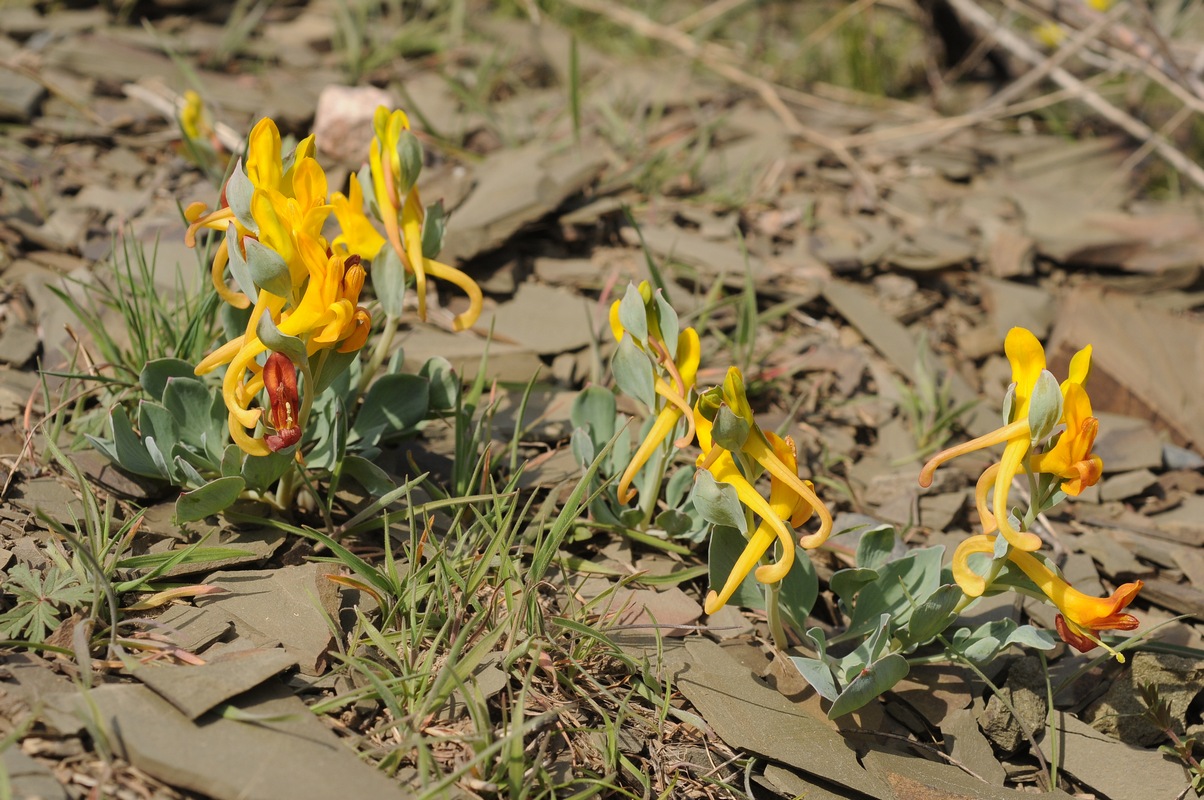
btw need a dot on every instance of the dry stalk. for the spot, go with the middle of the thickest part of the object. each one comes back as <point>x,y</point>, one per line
<point>1134,127</point>
<point>723,62</point>
<point>708,14</point>
<point>997,106</point>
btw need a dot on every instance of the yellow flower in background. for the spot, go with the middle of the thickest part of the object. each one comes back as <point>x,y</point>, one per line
<point>194,120</point>
<point>1027,359</point>
<point>1050,34</point>
<point>1080,616</point>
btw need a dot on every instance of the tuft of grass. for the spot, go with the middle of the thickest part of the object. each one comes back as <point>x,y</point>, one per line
<point>151,323</point>
<point>929,407</point>
<point>471,592</point>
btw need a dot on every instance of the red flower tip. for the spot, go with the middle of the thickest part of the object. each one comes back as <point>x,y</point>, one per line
<point>280,381</point>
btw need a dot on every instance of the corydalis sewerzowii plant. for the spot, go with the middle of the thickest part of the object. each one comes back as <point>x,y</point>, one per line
<point>304,297</point>
<point>657,362</point>
<point>1059,467</point>
<point>898,604</point>
<point>297,328</point>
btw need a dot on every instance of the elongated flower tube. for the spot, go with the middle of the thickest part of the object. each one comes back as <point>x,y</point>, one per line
<point>1080,615</point>
<point>1024,429</point>
<point>784,504</point>
<point>758,448</point>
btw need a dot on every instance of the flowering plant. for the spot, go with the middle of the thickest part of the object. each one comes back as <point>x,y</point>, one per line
<point>297,325</point>
<point>894,605</point>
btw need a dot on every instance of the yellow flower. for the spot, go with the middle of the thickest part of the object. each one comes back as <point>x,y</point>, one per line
<point>282,218</point>
<point>1050,34</point>
<point>784,504</point>
<point>1071,457</point>
<point>404,217</point>
<point>358,233</point>
<point>1080,616</point>
<point>684,370</point>
<point>1027,358</point>
<point>758,448</point>
<point>265,170</point>
<point>193,119</point>
<point>326,317</point>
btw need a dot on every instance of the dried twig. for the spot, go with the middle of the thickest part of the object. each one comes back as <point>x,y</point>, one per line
<point>708,14</point>
<point>1134,127</point>
<point>722,61</point>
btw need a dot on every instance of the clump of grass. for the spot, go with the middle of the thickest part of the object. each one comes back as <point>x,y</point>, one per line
<point>467,592</point>
<point>150,323</point>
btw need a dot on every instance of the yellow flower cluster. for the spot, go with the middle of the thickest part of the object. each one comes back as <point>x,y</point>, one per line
<point>734,457</point>
<point>1034,400</point>
<point>738,462</point>
<point>311,294</point>
<point>298,285</point>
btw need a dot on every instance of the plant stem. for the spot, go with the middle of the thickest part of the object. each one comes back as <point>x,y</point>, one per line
<point>379,352</point>
<point>773,614</point>
<point>1032,742</point>
<point>1053,728</point>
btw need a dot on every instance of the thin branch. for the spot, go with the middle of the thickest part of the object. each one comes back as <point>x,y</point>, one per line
<point>1135,128</point>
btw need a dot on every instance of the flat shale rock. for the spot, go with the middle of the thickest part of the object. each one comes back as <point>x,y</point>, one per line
<point>27,778</point>
<point>544,319</point>
<point>749,715</point>
<point>290,605</point>
<point>1121,711</point>
<point>19,96</point>
<point>911,778</point>
<point>1114,769</point>
<point>516,187</point>
<point>195,689</point>
<point>1025,688</point>
<point>287,752</point>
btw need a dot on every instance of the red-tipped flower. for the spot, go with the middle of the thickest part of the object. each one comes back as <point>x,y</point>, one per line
<point>280,381</point>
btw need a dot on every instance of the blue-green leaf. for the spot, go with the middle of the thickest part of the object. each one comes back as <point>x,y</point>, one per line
<point>870,683</point>
<point>209,499</point>
<point>819,675</point>
<point>633,373</point>
<point>726,546</point>
<point>268,268</point>
<point>238,265</point>
<point>394,404</point>
<point>389,281</point>
<point>875,546</point>
<point>718,503</point>
<point>155,373</point>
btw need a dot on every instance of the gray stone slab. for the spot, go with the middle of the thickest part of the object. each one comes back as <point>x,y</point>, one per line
<point>286,752</point>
